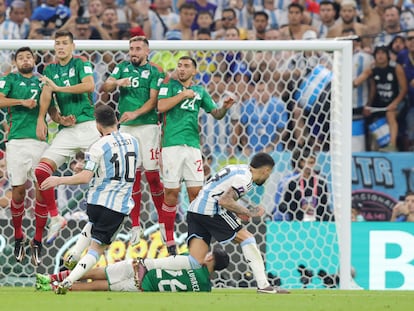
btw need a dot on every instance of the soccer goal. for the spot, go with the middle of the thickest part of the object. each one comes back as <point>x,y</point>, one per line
<point>293,100</point>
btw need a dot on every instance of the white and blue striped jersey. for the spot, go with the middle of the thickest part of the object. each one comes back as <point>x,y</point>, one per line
<point>237,177</point>
<point>114,159</point>
<point>361,61</point>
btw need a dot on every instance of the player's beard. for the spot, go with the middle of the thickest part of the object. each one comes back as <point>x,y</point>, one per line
<point>26,70</point>
<point>137,62</point>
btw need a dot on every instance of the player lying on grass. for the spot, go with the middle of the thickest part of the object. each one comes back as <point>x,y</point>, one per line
<point>131,275</point>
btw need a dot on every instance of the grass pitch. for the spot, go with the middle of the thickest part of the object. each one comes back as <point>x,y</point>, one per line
<point>27,299</point>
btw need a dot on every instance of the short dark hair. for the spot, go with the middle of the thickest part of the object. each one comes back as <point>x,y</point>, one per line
<point>64,33</point>
<point>221,259</point>
<point>23,49</point>
<point>185,57</point>
<point>139,38</point>
<point>262,159</point>
<point>105,115</point>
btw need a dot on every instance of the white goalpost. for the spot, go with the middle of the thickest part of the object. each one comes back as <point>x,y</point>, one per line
<point>340,128</point>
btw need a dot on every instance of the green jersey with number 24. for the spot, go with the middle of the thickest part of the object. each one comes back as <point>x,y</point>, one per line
<point>180,124</point>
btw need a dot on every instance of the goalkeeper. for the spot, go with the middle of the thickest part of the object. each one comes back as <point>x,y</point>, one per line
<point>131,276</point>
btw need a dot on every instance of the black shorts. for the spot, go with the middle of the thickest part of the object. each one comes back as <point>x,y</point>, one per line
<point>222,227</point>
<point>106,223</point>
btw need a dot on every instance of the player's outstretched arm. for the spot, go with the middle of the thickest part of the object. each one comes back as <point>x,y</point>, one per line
<point>83,177</point>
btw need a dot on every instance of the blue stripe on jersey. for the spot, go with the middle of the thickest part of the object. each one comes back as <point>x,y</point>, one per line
<point>109,172</point>
<point>122,172</point>
<point>210,186</point>
<point>360,90</point>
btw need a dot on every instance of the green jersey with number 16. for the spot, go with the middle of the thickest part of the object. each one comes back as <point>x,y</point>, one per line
<point>143,79</point>
<point>22,120</point>
<point>180,124</point>
<point>79,105</point>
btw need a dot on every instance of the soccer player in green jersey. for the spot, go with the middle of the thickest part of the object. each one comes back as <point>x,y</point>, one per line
<point>132,276</point>
<point>20,93</point>
<point>68,86</point>
<point>180,102</point>
<point>139,82</point>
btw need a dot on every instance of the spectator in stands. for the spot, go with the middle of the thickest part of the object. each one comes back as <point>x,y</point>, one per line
<point>405,60</point>
<point>262,122</point>
<point>95,8</point>
<point>205,20</point>
<point>86,28</point>
<point>373,16</point>
<point>161,18</point>
<point>228,21</point>
<point>388,87</point>
<point>391,27</point>
<point>260,25</point>
<point>277,16</point>
<point>307,197</point>
<point>361,61</point>
<point>51,14</point>
<point>244,13</point>
<point>348,17</point>
<point>407,19</point>
<point>295,29</point>
<point>404,211</point>
<point>327,13</point>
<point>396,46</point>
<point>187,15</point>
<point>17,14</point>
<point>200,6</point>
<point>8,29</point>
<point>121,11</point>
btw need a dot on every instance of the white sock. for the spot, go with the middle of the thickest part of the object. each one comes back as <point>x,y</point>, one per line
<point>254,259</point>
<point>84,265</point>
<point>177,262</point>
<point>83,241</point>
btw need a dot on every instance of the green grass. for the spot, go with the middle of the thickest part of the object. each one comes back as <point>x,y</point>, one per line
<point>27,299</point>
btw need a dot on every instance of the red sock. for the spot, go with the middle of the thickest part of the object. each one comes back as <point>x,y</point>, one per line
<point>60,276</point>
<point>156,188</point>
<point>17,212</point>
<point>168,219</point>
<point>136,196</point>
<point>43,171</point>
<point>41,220</point>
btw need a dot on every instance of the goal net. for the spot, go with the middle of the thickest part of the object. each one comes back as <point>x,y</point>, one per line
<point>293,100</point>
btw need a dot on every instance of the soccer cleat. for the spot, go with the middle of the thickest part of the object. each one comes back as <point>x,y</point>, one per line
<point>71,261</point>
<point>136,235</point>
<point>56,224</point>
<point>19,251</point>
<point>44,287</point>
<point>36,248</point>
<point>140,270</point>
<point>272,290</point>
<point>172,250</point>
<point>43,279</point>
<point>63,287</point>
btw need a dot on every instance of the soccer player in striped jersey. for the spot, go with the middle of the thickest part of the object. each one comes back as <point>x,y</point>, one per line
<point>131,276</point>
<point>139,82</point>
<point>213,215</point>
<point>180,101</point>
<point>67,91</point>
<point>20,93</point>
<point>113,160</point>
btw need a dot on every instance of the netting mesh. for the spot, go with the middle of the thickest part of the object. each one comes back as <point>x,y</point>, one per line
<point>283,107</point>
